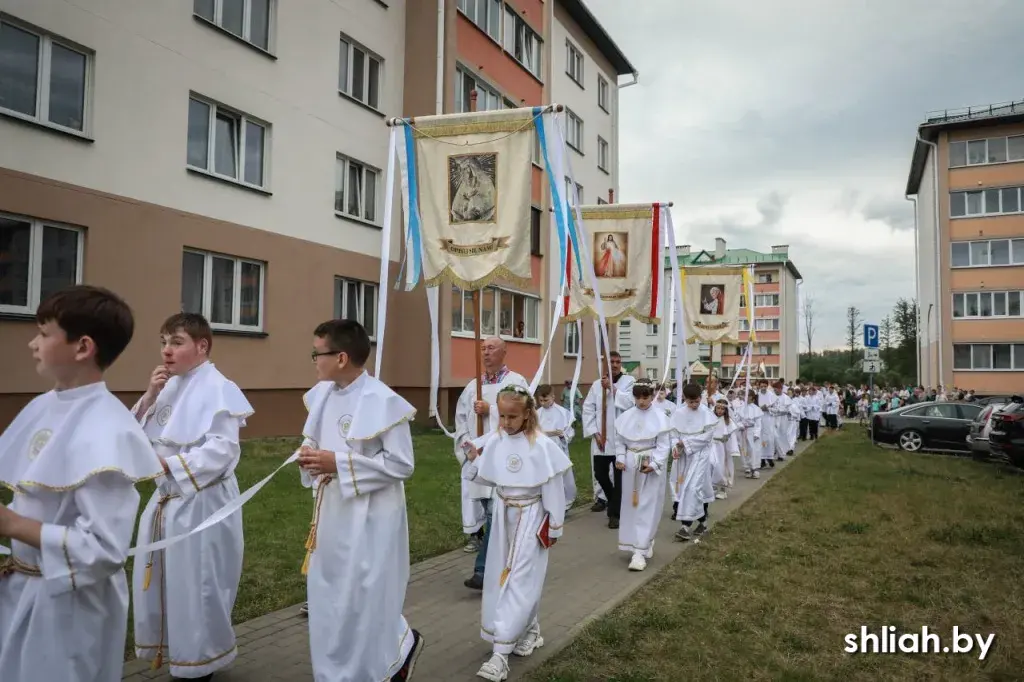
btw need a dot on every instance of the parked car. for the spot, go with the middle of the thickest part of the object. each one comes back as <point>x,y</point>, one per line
<point>926,426</point>
<point>1006,438</point>
<point>978,437</point>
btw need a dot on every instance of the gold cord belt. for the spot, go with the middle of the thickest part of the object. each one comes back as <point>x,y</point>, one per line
<point>311,539</point>
<point>12,564</point>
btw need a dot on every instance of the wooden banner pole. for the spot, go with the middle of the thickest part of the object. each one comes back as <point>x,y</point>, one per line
<point>477,314</point>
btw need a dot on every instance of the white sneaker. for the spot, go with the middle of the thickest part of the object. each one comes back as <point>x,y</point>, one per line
<point>528,644</point>
<point>494,669</point>
<point>720,495</point>
<point>638,563</point>
<point>757,474</point>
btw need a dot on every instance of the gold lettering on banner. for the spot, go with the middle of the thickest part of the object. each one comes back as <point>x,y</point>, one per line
<point>495,244</point>
<point>712,327</point>
<point>622,295</point>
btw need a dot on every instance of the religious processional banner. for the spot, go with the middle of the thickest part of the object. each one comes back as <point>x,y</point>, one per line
<point>467,193</point>
<point>623,242</point>
<point>711,304</point>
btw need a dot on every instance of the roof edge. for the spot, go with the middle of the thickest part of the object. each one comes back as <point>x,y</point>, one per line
<point>586,20</point>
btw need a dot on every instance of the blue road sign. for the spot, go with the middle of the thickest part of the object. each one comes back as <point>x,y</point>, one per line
<point>871,336</point>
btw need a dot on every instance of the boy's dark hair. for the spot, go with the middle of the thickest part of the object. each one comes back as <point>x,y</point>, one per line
<point>615,354</point>
<point>544,390</point>
<point>193,324</point>
<point>348,337</point>
<point>691,391</point>
<point>98,313</point>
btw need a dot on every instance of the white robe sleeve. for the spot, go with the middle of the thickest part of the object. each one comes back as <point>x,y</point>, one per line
<point>463,413</point>
<point>624,398</point>
<point>96,546</point>
<point>304,476</point>
<point>694,444</point>
<point>661,449</point>
<point>620,450</point>
<point>362,475</point>
<point>202,465</point>
<point>592,413</point>
<point>552,497</point>
<point>568,432</point>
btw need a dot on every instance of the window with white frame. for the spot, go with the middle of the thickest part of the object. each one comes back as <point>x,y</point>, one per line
<point>359,72</point>
<point>977,304</point>
<point>356,300</point>
<point>355,189</point>
<point>771,371</point>
<point>250,20</point>
<point>487,98</point>
<point>764,278</point>
<point>574,131</point>
<point>43,78</point>
<point>37,258</point>
<point>602,153</point>
<point>572,340</point>
<point>990,150</point>
<point>743,300</point>
<point>652,373</point>
<point>652,351</point>
<point>574,62</point>
<point>652,330</point>
<point>535,231</point>
<point>704,352</point>
<point>569,193</point>
<point>509,314</point>
<point>765,349</point>
<point>486,14</point>
<point>226,142</point>
<point>985,202</point>
<point>602,93</point>
<point>522,42</point>
<point>226,290</point>
<point>988,357</point>
<point>744,324</point>
<point>766,300</point>
<point>987,253</point>
<point>767,324</point>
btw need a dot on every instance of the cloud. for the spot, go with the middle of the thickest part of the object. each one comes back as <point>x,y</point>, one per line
<point>793,122</point>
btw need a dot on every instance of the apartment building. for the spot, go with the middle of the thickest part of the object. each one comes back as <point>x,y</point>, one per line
<point>514,53</point>
<point>222,156</point>
<point>966,178</point>
<point>776,318</point>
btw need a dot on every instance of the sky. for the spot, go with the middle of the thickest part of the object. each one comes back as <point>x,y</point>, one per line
<point>793,122</point>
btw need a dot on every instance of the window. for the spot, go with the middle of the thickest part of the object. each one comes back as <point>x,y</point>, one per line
<point>768,324</point>
<point>601,202</point>
<point>574,63</point>
<point>766,300</point>
<point>226,143</point>
<point>1005,200</point>
<point>602,154</point>
<point>37,258</point>
<point>226,290</point>
<point>991,150</point>
<point>743,300</point>
<point>247,19</point>
<point>570,197</point>
<point>988,357</point>
<point>652,373</point>
<point>602,93</point>
<point>764,278</point>
<point>652,330</point>
<point>535,216</point>
<point>652,351</point>
<point>355,300</point>
<point>771,371</point>
<point>517,315</point>
<point>486,14</point>
<point>574,130</point>
<point>355,189</point>
<point>986,253</point>
<point>764,349</point>
<point>572,340</point>
<point>487,98</point>
<point>359,73</point>
<point>744,325</point>
<point>521,42</point>
<point>972,304</point>
<point>43,78</point>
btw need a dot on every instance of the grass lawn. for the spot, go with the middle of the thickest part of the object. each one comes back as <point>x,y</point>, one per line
<point>276,521</point>
<point>848,535</point>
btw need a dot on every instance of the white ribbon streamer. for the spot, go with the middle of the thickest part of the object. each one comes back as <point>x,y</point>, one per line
<point>385,252</point>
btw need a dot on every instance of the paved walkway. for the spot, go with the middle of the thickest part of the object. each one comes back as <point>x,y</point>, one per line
<point>275,647</point>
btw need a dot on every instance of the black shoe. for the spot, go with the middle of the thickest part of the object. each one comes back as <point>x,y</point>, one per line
<point>204,678</point>
<point>771,463</point>
<point>599,506</point>
<point>613,523</point>
<point>475,583</point>
<point>405,672</point>
<point>789,454</point>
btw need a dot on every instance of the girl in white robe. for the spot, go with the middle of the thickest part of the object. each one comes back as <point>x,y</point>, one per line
<point>749,418</point>
<point>525,467</point>
<point>694,428</point>
<point>641,454</point>
<point>663,403</point>
<point>557,424</point>
<point>724,445</point>
<point>765,400</point>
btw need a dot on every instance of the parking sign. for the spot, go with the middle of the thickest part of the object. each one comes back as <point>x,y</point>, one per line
<point>871,336</point>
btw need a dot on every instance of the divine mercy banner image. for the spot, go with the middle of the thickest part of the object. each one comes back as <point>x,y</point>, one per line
<point>623,243</point>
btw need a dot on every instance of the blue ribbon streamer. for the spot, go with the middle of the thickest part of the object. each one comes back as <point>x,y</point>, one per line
<point>414,229</point>
<point>560,218</point>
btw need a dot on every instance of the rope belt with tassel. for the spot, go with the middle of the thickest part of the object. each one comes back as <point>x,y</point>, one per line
<point>640,456</point>
<point>519,502</point>
<point>311,538</point>
<point>11,564</point>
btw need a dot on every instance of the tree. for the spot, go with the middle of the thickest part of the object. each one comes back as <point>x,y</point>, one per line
<point>809,322</point>
<point>885,333</point>
<point>853,324</point>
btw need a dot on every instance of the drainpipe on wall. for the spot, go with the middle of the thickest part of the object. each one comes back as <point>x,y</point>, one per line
<point>636,79</point>
<point>938,258</point>
<point>917,289</point>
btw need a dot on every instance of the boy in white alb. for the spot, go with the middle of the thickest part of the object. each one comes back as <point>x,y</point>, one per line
<point>750,420</point>
<point>766,401</point>
<point>525,467</point>
<point>356,453</point>
<point>72,457</point>
<point>641,454</point>
<point>184,595</point>
<point>694,427</point>
<point>556,423</point>
<point>662,402</point>
<point>724,446</point>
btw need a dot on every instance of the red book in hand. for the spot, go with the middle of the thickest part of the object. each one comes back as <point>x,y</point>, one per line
<point>543,533</point>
